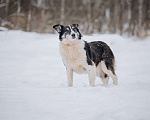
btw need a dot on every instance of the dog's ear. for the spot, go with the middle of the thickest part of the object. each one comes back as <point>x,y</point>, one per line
<point>76,25</point>
<point>58,28</point>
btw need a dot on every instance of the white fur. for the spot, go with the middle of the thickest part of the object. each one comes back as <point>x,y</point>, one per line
<point>73,55</point>
<point>92,74</point>
<point>70,77</point>
<point>74,58</point>
<point>108,72</point>
<point>100,73</point>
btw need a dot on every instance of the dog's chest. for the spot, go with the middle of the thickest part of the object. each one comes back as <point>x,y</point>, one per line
<point>74,56</point>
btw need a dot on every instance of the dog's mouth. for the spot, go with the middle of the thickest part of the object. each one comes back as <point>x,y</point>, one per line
<point>73,36</point>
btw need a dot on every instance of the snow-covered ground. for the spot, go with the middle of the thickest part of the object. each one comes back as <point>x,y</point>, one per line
<point>33,83</point>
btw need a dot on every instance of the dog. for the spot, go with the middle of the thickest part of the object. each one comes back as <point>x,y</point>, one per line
<point>94,58</point>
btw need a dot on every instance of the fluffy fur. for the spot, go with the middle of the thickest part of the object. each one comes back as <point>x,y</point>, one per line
<point>95,58</point>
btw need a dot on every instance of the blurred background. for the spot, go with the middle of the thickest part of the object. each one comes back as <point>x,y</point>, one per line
<point>124,17</point>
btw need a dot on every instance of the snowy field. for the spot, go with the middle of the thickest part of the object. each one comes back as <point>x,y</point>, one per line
<point>33,83</point>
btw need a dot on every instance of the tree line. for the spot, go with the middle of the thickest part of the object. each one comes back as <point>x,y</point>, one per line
<point>125,17</point>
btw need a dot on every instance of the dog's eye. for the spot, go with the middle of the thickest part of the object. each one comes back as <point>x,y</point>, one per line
<point>67,31</point>
<point>74,29</point>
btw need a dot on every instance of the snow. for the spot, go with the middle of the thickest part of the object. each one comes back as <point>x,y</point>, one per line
<point>33,83</point>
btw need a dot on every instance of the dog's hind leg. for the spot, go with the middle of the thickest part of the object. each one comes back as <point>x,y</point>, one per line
<point>104,77</point>
<point>70,77</point>
<point>110,72</point>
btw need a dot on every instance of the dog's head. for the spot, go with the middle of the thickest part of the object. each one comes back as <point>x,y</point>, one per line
<point>68,33</point>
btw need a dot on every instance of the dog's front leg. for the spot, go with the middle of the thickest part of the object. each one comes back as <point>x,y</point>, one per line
<point>70,77</point>
<point>92,75</point>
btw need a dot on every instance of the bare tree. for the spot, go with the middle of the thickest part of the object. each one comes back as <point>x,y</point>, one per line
<point>18,12</point>
<point>140,31</point>
<point>29,16</point>
<point>62,12</point>
<point>140,13</point>
<point>89,25</point>
<point>129,17</point>
<point>7,6</point>
<point>115,16</point>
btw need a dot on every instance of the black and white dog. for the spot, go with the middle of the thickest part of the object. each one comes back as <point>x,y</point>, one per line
<point>94,58</point>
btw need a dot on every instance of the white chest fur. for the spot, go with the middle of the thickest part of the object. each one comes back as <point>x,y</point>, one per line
<point>74,56</point>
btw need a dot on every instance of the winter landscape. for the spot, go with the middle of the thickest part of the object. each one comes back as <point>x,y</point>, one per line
<point>33,83</point>
<point>33,80</point>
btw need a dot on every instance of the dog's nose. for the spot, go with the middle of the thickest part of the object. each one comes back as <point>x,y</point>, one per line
<point>73,35</point>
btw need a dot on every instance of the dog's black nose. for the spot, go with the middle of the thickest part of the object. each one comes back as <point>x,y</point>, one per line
<point>73,35</point>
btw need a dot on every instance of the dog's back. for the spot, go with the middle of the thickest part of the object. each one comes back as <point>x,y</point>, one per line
<point>100,51</point>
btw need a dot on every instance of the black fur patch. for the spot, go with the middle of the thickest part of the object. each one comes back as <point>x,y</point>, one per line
<point>105,75</point>
<point>88,53</point>
<point>99,51</point>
